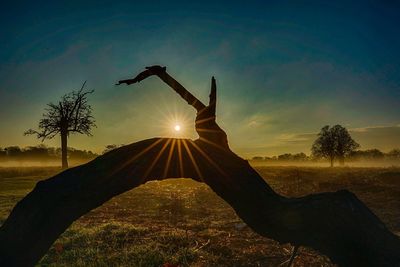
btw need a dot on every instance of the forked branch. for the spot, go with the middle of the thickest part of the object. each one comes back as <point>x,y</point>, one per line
<point>206,126</point>
<point>161,72</point>
<point>336,224</point>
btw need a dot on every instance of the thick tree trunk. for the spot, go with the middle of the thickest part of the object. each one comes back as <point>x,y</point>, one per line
<point>64,149</point>
<point>336,224</point>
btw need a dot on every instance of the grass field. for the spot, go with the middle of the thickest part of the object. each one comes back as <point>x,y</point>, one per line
<point>182,222</point>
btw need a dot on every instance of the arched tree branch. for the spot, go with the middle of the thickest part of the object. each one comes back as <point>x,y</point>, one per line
<point>336,224</point>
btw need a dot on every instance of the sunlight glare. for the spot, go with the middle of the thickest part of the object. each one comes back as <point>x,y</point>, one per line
<point>177,127</point>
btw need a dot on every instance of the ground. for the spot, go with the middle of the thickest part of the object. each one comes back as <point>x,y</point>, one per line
<point>182,222</point>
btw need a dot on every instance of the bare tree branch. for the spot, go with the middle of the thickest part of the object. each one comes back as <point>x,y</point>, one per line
<point>163,75</point>
<point>336,224</point>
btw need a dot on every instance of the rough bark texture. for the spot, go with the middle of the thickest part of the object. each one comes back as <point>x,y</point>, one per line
<point>336,224</point>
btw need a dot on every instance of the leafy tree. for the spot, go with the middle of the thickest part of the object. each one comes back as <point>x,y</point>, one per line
<point>334,142</point>
<point>344,143</point>
<point>300,157</point>
<point>40,151</point>
<point>80,154</point>
<point>394,154</point>
<point>13,151</point>
<point>285,157</point>
<point>3,153</point>
<point>324,146</point>
<point>375,153</point>
<point>109,148</point>
<point>72,114</point>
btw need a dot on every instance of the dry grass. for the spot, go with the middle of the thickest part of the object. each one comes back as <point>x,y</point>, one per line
<point>183,222</point>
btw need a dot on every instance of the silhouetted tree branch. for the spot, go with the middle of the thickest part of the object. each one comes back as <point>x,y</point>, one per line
<point>336,224</point>
<point>205,123</point>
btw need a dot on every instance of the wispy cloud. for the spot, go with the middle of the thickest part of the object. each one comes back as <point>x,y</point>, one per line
<point>374,128</point>
<point>296,138</point>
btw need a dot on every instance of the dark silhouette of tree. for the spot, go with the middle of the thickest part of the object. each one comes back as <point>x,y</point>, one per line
<point>72,114</point>
<point>111,147</point>
<point>336,224</point>
<point>369,154</point>
<point>43,153</point>
<point>334,142</point>
<point>80,154</point>
<point>3,153</point>
<point>394,153</point>
<point>13,151</point>
<point>300,157</point>
<point>344,143</point>
<point>324,146</point>
<point>37,152</point>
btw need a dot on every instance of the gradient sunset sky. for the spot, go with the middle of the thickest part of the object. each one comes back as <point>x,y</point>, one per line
<point>284,69</point>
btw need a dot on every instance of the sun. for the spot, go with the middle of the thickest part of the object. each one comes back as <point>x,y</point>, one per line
<point>172,121</point>
<point>177,127</point>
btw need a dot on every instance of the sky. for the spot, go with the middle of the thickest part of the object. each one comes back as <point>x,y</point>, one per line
<point>284,69</point>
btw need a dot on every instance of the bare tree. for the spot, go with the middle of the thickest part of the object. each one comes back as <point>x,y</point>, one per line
<point>72,114</point>
<point>336,224</point>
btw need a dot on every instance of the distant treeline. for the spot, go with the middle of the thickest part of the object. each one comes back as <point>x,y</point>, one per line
<point>369,154</point>
<point>42,153</point>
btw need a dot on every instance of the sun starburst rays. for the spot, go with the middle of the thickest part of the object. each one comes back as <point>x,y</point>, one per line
<point>150,168</point>
<point>181,172</point>
<point>169,118</point>
<point>196,167</point>
<point>175,162</point>
<point>141,153</point>
<point>170,153</point>
<point>210,160</point>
